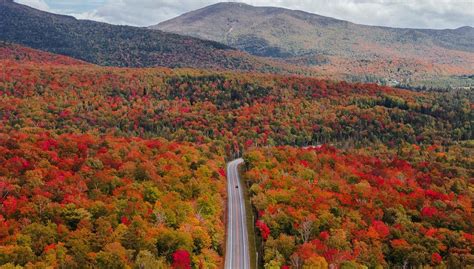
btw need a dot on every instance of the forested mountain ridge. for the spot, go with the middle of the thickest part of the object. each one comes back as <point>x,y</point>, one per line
<point>331,45</point>
<point>114,45</point>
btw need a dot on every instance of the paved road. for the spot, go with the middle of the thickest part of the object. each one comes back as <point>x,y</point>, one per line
<point>237,250</point>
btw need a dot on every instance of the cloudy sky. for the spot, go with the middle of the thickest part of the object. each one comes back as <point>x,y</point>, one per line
<point>396,13</point>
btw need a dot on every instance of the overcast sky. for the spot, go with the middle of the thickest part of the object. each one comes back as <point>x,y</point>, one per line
<point>395,13</point>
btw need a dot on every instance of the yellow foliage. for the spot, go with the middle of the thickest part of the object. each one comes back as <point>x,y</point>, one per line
<point>316,262</point>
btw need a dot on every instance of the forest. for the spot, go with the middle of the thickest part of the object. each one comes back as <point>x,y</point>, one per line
<point>110,167</point>
<point>368,207</point>
<point>72,201</point>
<point>237,109</point>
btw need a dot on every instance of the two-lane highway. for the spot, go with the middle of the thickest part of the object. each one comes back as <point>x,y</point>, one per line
<point>237,250</point>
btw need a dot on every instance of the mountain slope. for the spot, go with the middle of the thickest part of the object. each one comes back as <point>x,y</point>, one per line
<point>334,44</point>
<point>113,45</point>
<point>20,54</point>
<point>279,32</point>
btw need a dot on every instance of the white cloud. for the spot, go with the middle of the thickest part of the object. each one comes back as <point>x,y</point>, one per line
<point>88,15</point>
<point>38,4</point>
<point>147,12</point>
<point>395,13</point>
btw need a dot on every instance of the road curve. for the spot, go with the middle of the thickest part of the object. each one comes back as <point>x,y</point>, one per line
<point>237,250</point>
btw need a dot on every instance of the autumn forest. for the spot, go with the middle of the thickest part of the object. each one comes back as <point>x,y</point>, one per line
<point>105,167</point>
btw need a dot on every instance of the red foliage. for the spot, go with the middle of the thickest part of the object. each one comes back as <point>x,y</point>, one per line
<point>381,228</point>
<point>48,144</point>
<point>18,164</point>
<point>119,177</point>
<point>431,232</point>
<point>248,143</point>
<point>376,188</point>
<point>222,172</point>
<point>429,211</point>
<point>324,235</point>
<point>399,243</point>
<point>49,247</point>
<point>469,237</point>
<point>52,185</point>
<point>436,195</point>
<point>181,260</point>
<point>264,230</point>
<point>436,258</point>
<point>304,163</point>
<point>17,53</point>
<point>10,205</point>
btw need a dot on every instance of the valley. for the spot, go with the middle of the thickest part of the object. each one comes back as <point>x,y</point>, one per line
<point>128,147</point>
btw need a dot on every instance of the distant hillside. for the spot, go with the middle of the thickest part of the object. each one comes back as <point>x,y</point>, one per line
<point>334,45</point>
<point>113,45</point>
<point>17,53</point>
<point>279,32</point>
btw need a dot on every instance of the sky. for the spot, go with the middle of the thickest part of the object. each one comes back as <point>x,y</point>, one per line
<point>436,14</point>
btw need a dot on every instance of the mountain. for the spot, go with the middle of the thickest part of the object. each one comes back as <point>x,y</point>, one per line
<point>114,45</point>
<point>332,44</point>
<point>279,32</point>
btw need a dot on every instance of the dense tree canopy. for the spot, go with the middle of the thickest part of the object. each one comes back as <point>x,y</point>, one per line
<point>83,200</point>
<point>238,109</point>
<point>372,208</point>
<point>119,168</point>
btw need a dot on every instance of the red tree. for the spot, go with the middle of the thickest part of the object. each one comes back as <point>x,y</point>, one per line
<point>181,259</point>
<point>264,230</point>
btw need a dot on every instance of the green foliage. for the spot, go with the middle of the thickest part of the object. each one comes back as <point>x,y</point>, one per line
<point>169,241</point>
